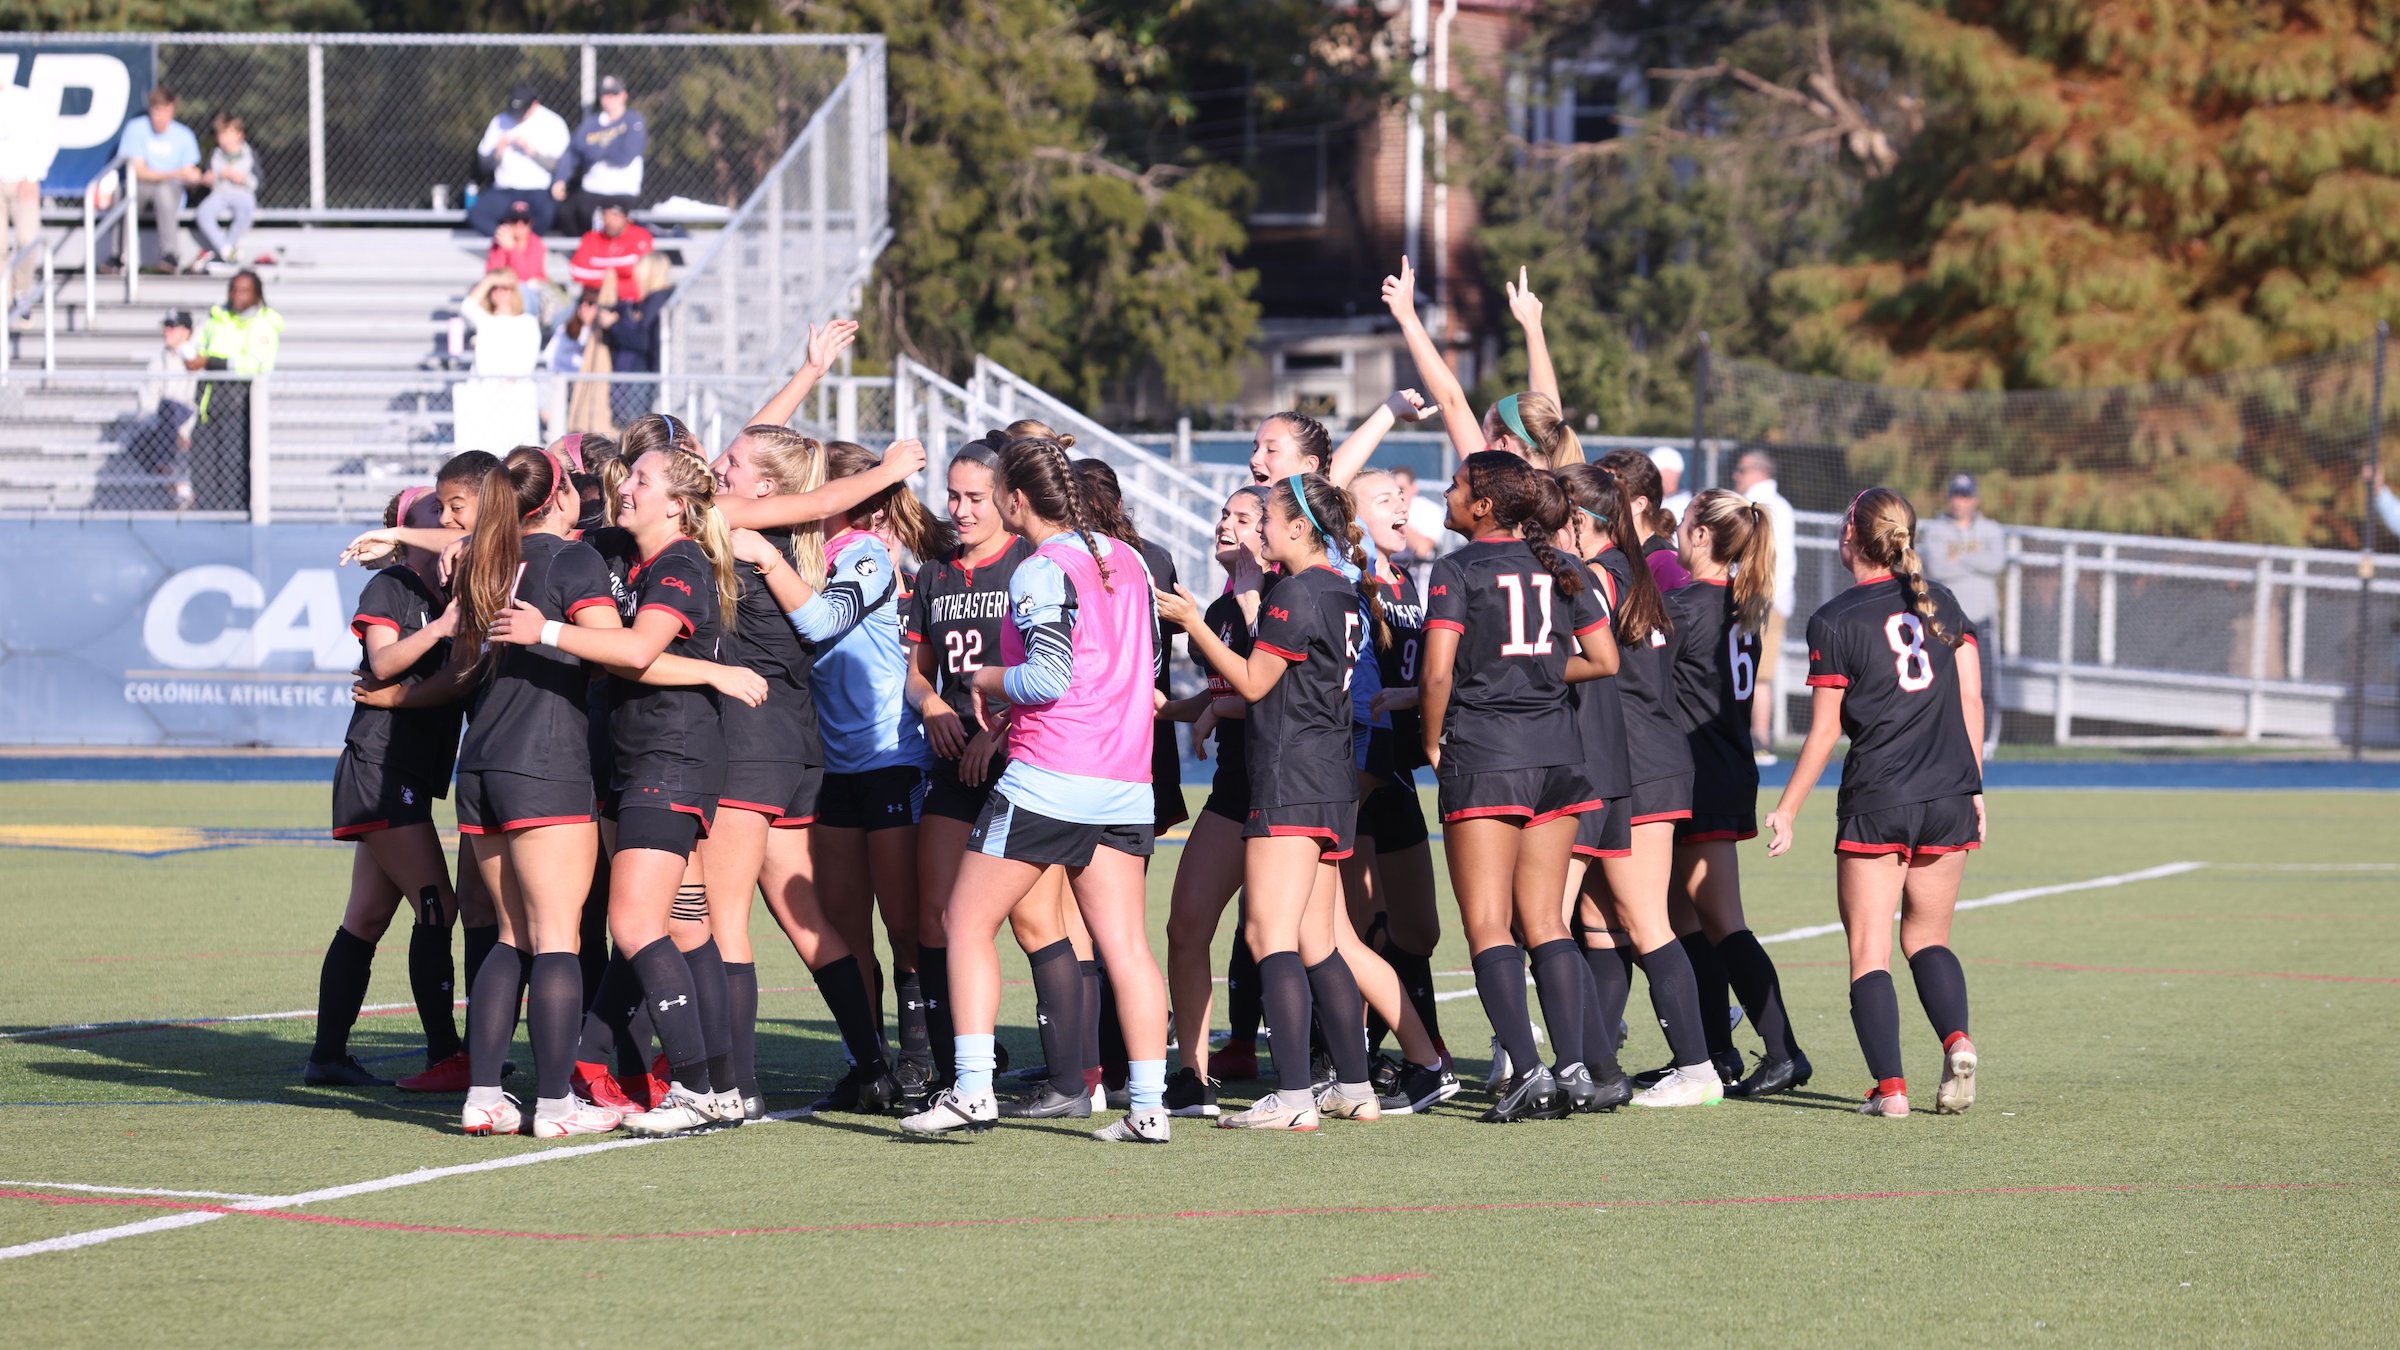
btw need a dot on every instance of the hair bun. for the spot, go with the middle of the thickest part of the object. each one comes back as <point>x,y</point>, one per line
<point>1066,440</point>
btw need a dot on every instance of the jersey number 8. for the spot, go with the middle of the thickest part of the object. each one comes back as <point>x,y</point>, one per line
<point>1517,644</point>
<point>966,650</point>
<point>1906,634</point>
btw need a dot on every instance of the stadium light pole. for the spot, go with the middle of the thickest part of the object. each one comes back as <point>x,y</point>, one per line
<point>2366,553</point>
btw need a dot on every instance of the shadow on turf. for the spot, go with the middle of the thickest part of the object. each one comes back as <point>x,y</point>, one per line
<point>212,1064</point>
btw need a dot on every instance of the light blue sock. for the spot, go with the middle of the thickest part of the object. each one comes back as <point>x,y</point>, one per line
<point>1146,1083</point>
<point>975,1059</point>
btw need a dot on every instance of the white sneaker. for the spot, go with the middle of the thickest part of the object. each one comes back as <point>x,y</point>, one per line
<point>580,1117</point>
<point>1358,1102</point>
<point>1138,1127</point>
<point>1688,1085</point>
<point>500,1118</point>
<point>1957,1091</point>
<point>950,1111</point>
<point>1270,1113</point>
<point>683,1112</point>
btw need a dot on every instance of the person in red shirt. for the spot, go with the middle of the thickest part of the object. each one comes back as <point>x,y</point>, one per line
<point>615,247</point>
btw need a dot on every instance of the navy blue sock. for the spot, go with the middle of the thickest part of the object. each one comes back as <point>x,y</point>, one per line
<point>1284,995</point>
<point>1500,984</point>
<point>1875,1014</point>
<point>1559,976</point>
<point>1942,988</point>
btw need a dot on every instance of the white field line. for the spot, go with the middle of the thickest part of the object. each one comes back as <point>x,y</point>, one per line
<point>2308,867</point>
<point>418,1177</point>
<point>135,1190</point>
<point>293,1014</point>
<point>2172,869</point>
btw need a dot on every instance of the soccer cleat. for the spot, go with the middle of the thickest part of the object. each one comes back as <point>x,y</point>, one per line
<point>595,1084</point>
<point>1770,1077</point>
<point>1137,1127</point>
<point>1501,1069</point>
<point>1689,1085</point>
<point>580,1117</point>
<point>1531,1095</point>
<point>1047,1103</point>
<point>1584,1094</point>
<point>1957,1090</point>
<point>916,1086</point>
<point>1609,1093</point>
<point>502,1117</point>
<point>727,1107</point>
<point>1419,1088</point>
<point>949,1112</point>
<point>868,1090</point>
<point>1888,1098</point>
<point>683,1112</point>
<point>1728,1067</point>
<point>650,1092</point>
<point>1383,1075</point>
<point>754,1107</point>
<point>1650,1078</point>
<point>1271,1112</point>
<point>343,1072</point>
<point>1188,1094</point>
<point>1234,1063</point>
<point>445,1075</point>
<point>1340,1102</point>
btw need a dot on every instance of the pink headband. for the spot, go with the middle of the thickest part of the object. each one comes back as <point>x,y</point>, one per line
<point>409,497</point>
<point>559,481</point>
<point>571,445</point>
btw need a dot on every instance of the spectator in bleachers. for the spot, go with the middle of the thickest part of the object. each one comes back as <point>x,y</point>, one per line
<point>516,248</point>
<point>242,337</point>
<point>233,196</point>
<point>1754,478</point>
<point>166,159</point>
<point>576,349</point>
<point>1670,476</point>
<point>633,337</point>
<point>612,249</point>
<point>29,136</point>
<point>161,441</point>
<point>2387,505</point>
<point>500,408</point>
<point>520,148</point>
<point>607,152</point>
<point>1967,551</point>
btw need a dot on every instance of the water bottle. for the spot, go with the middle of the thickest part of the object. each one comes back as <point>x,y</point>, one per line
<point>469,194</point>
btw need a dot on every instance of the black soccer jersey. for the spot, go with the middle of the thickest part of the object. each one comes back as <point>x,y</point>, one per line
<point>531,717</point>
<point>1300,732</point>
<point>1232,627</point>
<point>656,728</point>
<point>420,741</point>
<point>1508,696</point>
<point>1654,742</point>
<point>958,609</point>
<point>784,728</point>
<point>1600,704</point>
<point>1716,672</point>
<point>1900,696</point>
<point>1404,610</point>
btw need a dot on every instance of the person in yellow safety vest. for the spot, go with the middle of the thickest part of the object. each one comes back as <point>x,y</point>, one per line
<point>241,336</point>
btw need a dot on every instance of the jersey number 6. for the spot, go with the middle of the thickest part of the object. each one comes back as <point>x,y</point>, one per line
<point>1744,666</point>
<point>1906,633</point>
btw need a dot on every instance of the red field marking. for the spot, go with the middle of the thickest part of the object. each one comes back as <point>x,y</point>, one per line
<point>1312,1211</point>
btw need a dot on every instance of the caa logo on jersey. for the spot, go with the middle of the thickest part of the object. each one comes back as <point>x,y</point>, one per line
<point>676,583</point>
<point>195,621</point>
<point>1278,613</point>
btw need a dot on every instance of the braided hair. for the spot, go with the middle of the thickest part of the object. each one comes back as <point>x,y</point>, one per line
<point>1521,505</point>
<point>1883,530</point>
<point>1596,492</point>
<point>1038,467</point>
<point>1333,511</point>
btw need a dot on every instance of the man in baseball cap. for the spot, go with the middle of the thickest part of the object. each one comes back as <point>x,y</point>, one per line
<point>170,405</point>
<point>520,147</point>
<point>606,154</point>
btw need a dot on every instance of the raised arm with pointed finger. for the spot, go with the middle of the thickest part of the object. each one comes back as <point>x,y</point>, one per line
<point>1441,383</point>
<point>825,346</point>
<point>1541,376</point>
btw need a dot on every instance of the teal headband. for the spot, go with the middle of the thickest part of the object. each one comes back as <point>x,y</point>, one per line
<point>1594,515</point>
<point>1298,483</point>
<point>1508,413</point>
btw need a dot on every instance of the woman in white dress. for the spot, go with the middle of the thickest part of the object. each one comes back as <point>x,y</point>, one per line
<point>499,408</point>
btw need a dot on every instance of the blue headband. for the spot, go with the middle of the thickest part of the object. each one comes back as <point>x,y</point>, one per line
<point>1594,515</point>
<point>1298,483</point>
<point>1507,408</point>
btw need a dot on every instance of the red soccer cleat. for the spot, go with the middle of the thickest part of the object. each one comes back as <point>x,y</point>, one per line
<point>449,1075</point>
<point>595,1084</point>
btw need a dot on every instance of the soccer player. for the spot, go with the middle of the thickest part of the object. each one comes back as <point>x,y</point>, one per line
<point>1509,624</point>
<point>1530,424</point>
<point>1076,668</point>
<point>1638,474</point>
<point>1885,662</point>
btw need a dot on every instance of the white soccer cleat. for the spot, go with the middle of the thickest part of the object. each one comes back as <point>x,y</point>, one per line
<point>949,1112</point>
<point>502,1117</point>
<point>729,1108</point>
<point>683,1112</point>
<point>1957,1091</point>
<point>1339,1103</point>
<point>580,1117</point>
<point>1500,1074</point>
<point>1272,1113</point>
<point>1138,1127</point>
<point>1888,1099</point>
<point>1686,1085</point>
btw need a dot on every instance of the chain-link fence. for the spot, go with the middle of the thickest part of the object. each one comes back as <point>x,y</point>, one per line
<point>351,126</point>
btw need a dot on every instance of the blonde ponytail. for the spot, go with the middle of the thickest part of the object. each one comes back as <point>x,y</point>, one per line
<point>1883,530</point>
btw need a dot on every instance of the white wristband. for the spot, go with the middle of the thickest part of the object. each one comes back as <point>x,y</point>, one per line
<point>550,632</point>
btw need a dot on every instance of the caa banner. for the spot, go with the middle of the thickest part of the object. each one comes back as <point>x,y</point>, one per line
<point>155,633</point>
<point>97,88</point>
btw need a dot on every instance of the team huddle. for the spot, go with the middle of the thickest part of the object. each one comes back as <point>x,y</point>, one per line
<point>660,685</point>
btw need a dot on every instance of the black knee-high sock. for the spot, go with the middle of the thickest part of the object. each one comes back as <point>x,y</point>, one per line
<point>480,941</point>
<point>1713,991</point>
<point>707,966</point>
<point>741,982</point>
<point>1109,1030</point>
<point>341,992</point>
<point>607,1020</point>
<point>844,988</point>
<point>1087,1030</point>
<point>1416,981</point>
<point>1559,976</point>
<point>593,950</point>
<point>1500,984</point>
<point>916,1046</point>
<point>1761,991</point>
<point>675,1010</point>
<point>1058,1014</point>
<point>1942,988</point>
<point>1284,995</point>
<point>492,1013</point>
<point>933,976</point>
<point>553,1017</point>
<point>1599,1038</point>
<point>1341,1010</point>
<point>1242,1008</point>
<point>1676,1003</point>
<point>1875,1015</point>
<point>432,981</point>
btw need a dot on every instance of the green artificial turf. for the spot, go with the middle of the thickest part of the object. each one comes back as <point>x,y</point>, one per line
<point>2185,1135</point>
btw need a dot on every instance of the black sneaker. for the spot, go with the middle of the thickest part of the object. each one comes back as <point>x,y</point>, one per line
<point>1418,1089</point>
<point>1383,1075</point>
<point>1188,1094</point>
<point>916,1086</point>
<point>1047,1103</point>
<point>343,1072</point>
<point>1531,1095</point>
<point>1772,1076</point>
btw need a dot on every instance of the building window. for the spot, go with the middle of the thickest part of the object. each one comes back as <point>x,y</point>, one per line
<point>1316,383</point>
<point>1289,169</point>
